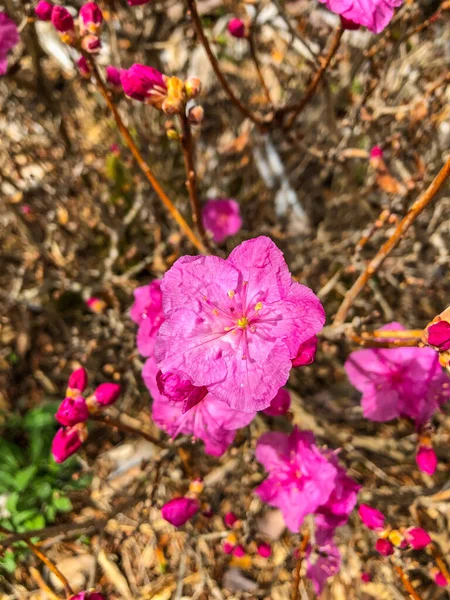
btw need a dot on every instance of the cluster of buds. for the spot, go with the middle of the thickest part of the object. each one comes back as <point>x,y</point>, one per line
<point>75,410</point>
<point>437,335</point>
<point>88,596</point>
<point>231,545</point>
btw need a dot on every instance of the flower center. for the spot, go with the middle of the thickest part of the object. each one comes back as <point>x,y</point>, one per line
<point>242,322</point>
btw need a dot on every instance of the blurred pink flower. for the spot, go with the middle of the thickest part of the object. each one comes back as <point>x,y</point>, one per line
<point>417,537</point>
<point>236,28</point>
<point>91,43</point>
<point>398,382</point>
<point>235,325</point>
<point>177,389</point>
<point>300,480</point>
<point>230,519</point>
<point>306,352</point>
<point>88,596</point>
<point>239,551</point>
<point>222,217</point>
<point>9,37</point>
<point>43,10</point>
<point>280,404</point>
<point>376,152</point>
<point>322,564</point>
<point>373,14</point>
<point>384,547</point>
<point>439,335</point>
<point>62,19</point>
<point>145,84</point>
<point>113,77</point>
<point>371,517</point>
<point>426,460</point>
<point>336,510</point>
<point>366,577</point>
<point>137,2</point>
<point>72,411</point>
<point>77,382</point>
<point>440,579</point>
<point>84,68</point>
<point>264,550</point>
<point>211,420</point>
<point>91,18</point>
<point>179,510</point>
<point>106,394</point>
<point>67,441</point>
<point>147,313</point>
<point>97,305</point>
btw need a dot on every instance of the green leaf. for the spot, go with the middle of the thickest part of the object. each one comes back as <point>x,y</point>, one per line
<point>38,522</point>
<point>7,482</point>
<point>62,503</point>
<point>24,477</point>
<point>8,562</point>
<point>26,515</point>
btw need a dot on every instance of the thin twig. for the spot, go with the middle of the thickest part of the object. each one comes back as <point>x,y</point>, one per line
<point>416,209</point>
<point>192,10</point>
<point>253,54</point>
<point>298,567</point>
<point>406,583</point>
<point>296,109</point>
<point>111,422</point>
<point>191,176</point>
<point>176,215</point>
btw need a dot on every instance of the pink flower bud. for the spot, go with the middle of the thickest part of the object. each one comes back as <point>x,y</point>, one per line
<point>417,537</point>
<point>366,577</point>
<point>264,550</point>
<point>440,579</point>
<point>97,305</point>
<point>84,68</point>
<point>61,19</point>
<point>88,596</point>
<point>348,24</point>
<point>280,404</point>
<point>145,84</point>
<point>230,519</point>
<point>91,18</point>
<point>193,87</point>
<point>177,389</point>
<point>239,551</point>
<point>426,460</point>
<point>376,152</point>
<point>384,547</point>
<point>137,2</point>
<point>43,10</point>
<point>106,394</point>
<point>439,335</point>
<point>91,43</point>
<point>78,380</point>
<point>306,352</point>
<point>67,441</point>
<point>371,517</point>
<point>179,510</point>
<point>236,28</point>
<point>196,114</point>
<point>113,77</point>
<point>228,547</point>
<point>72,411</point>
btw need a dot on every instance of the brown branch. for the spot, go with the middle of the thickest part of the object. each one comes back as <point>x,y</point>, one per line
<point>191,175</point>
<point>296,109</point>
<point>407,583</point>
<point>111,422</point>
<point>298,567</point>
<point>192,10</point>
<point>416,209</point>
<point>175,214</point>
<point>253,54</point>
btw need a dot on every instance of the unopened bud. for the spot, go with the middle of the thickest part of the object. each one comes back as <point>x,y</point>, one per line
<point>196,114</point>
<point>173,134</point>
<point>91,43</point>
<point>105,395</point>
<point>197,486</point>
<point>193,87</point>
<point>175,99</point>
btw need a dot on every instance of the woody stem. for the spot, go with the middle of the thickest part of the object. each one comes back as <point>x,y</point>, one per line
<point>118,424</point>
<point>251,43</point>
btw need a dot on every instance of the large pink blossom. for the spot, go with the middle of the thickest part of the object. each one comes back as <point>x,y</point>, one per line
<point>209,420</point>
<point>373,14</point>
<point>222,217</point>
<point>398,382</point>
<point>147,313</point>
<point>235,325</point>
<point>9,37</point>
<point>322,563</point>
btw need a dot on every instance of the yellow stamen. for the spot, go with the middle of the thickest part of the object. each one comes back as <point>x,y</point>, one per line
<point>215,311</point>
<point>242,323</point>
<point>231,293</point>
<point>395,537</point>
<point>258,306</point>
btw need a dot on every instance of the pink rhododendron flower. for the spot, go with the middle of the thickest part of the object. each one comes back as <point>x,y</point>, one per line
<point>67,441</point>
<point>235,325</point>
<point>440,579</point>
<point>222,218</point>
<point>177,389</point>
<point>384,547</point>
<point>264,550</point>
<point>398,382</point>
<point>300,480</point>
<point>145,84</point>
<point>373,14</point>
<point>147,312</point>
<point>211,420</point>
<point>84,68</point>
<point>106,394</point>
<point>113,77</point>
<point>439,335</point>
<point>179,510</point>
<point>62,20</point>
<point>88,596</point>
<point>9,37</point>
<point>306,352</point>
<point>236,28</point>
<point>280,404</point>
<point>43,10</point>
<point>72,411</point>
<point>323,564</point>
<point>417,537</point>
<point>371,517</point>
<point>426,460</point>
<point>78,381</point>
<point>91,18</point>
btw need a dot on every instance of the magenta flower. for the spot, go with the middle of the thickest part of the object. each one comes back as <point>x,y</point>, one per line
<point>349,24</point>
<point>77,383</point>
<point>440,579</point>
<point>417,537</point>
<point>264,550</point>
<point>323,564</point>
<point>87,596</point>
<point>137,2</point>
<point>106,394</point>
<point>72,411</point>
<point>43,10</point>
<point>222,217</point>
<point>371,517</point>
<point>230,519</point>
<point>300,480</point>
<point>235,325</point>
<point>280,404</point>
<point>426,460</point>
<point>384,547</point>
<point>84,68</point>
<point>113,77</point>
<point>67,441</point>
<point>306,352</point>
<point>236,28</point>
<point>373,14</point>
<point>91,18</point>
<point>61,19</point>
<point>398,382</point>
<point>179,510</point>
<point>439,335</point>
<point>147,312</point>
<point>9,37</point>
<point>145,84</point>
<point>210,420</point>
<point>179,390</point>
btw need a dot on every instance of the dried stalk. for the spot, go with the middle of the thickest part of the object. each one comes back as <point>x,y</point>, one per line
<point>407,583</point>
<point>253,54</point>
<point>110,422</point>
<point>416,209</point>
<point>298,567</point>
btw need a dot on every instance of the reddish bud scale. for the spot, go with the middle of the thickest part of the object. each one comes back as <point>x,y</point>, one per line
<point>61,19</point>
